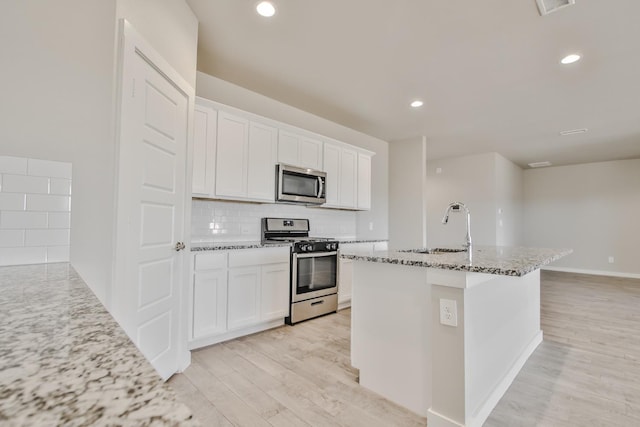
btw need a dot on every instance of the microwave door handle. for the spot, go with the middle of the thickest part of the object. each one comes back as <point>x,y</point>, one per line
<point>320,187</point>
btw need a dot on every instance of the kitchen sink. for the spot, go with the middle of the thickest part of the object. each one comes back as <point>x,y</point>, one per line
<point>436,251</point>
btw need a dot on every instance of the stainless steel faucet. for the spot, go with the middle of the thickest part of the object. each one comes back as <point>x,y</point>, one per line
<point>456,206</point>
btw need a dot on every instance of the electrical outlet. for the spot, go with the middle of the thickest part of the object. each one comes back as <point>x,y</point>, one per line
<point>438,170</point>
<point>448,312</point>
<point>371,226</point>
<point>611,260</point>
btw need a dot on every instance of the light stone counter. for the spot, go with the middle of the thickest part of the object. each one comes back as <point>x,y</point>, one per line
<point>64,361</point>
<point>505,261</point>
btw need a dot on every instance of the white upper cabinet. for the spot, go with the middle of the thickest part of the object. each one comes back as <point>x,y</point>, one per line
<point>364,181</point>
<point>245,159</point>
<point>299,150</point>
<point>348,177</point>
<point>332,168</point>
<point>235,154</point>
<point>341,166</point>
<point>232,155</point>
<point>261,165</point>
<point>205,121</point>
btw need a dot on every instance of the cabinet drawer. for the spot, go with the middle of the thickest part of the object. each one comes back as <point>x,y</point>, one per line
<point>246,257</point>
<point>210,261</point>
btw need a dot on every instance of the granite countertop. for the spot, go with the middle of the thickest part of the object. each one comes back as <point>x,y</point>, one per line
<point>501,260</point>
<point>65,361</point>
<point>222,246</point>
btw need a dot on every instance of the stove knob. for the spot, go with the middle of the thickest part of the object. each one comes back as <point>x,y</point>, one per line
<point>328,246</point>
<point>334,246</point>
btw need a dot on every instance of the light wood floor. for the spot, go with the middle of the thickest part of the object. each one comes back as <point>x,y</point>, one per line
<point>585,373</point>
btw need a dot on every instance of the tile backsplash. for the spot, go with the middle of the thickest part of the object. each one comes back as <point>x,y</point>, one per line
<point>35,211</point>
<point>222,221</point>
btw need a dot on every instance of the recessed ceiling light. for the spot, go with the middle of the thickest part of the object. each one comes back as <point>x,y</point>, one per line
<point>539,164</point>
<point>266,9</point>
<point>570,59</point>
<point>417,103</point>
<point>573,131</point>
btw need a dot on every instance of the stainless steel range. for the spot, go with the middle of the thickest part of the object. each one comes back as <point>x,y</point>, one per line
<point>314,268</point>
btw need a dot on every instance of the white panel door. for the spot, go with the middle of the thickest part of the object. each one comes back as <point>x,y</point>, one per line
<point>151,201</point>
<point>332,168</point>
<point>204,151</point>
<point>243,307</point>
<point>209,303</point>
<point>261,168</point>
<point>231,155</point>
<point>348,177</point>
<point>274,298</point>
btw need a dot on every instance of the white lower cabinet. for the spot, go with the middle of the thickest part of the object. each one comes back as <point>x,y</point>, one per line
<point>345,271</point>
<point>238,292</point>
<point>345,283</point>
<point>274,299</point>
<point>244,294</point>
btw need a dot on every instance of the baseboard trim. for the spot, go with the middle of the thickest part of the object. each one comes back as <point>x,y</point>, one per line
<point>435,419</point>
<point>481,415</point>
<point>593,272</point>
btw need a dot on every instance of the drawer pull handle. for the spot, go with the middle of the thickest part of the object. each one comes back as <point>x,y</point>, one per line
<point>317,302</point>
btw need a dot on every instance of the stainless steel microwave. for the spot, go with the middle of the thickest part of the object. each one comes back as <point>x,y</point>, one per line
<point>300,185</point>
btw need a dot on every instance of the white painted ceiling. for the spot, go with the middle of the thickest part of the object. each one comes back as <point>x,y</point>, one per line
<point>488,71</point>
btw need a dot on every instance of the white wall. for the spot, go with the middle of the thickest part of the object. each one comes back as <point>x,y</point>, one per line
<point>170,27</point>
<point>407,186</point>
<point>58,96</point>
<point>215,89</point>
<point>592,208</point>
<point>509,199</point>
<point>487,183</point>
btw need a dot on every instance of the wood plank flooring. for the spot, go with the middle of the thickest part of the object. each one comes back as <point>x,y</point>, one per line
<point>585,373</point>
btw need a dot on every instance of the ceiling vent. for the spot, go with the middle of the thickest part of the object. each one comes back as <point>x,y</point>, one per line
<point>547,6</point>
<point>539,164</point>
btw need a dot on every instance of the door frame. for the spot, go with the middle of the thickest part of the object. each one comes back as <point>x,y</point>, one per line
<point>131,43</point>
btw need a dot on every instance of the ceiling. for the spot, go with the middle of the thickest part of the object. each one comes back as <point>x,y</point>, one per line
<point>488,72</point>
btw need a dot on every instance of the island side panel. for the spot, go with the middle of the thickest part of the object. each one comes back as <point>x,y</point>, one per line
<point>475,362</point>
<point>502,329</point>
<point>390,332</point>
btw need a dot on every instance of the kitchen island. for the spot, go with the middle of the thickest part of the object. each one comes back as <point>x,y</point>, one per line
<point>441,335</point>
<point>65,361</point>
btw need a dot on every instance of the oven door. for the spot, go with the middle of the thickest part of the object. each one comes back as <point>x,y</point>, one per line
<point>314,275</point>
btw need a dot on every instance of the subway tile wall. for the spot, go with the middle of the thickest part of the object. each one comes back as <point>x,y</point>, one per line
<point>35,211</point>
<point>222,221</point>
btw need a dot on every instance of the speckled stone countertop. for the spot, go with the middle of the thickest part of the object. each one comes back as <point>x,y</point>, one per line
<point>506,261</point>
<point>223,246</point>
<point>64,361</point>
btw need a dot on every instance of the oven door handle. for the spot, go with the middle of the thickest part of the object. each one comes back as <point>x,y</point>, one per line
<point>315,254</point>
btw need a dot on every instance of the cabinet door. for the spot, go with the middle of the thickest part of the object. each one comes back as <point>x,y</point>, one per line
<point>288,148</point>
<point>231,155</point>
<point>204,151</point>
<point>243,307</point>
<point>261,167</point>
<point>332,168</point>
<point>346,280</point>
<point>348,177</point>
<point>310,153</point>
<point>364,181</point>
<point>209,303</point>
<point>274,298</point>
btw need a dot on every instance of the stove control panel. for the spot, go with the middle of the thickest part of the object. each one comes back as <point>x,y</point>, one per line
<point>308,247</point>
